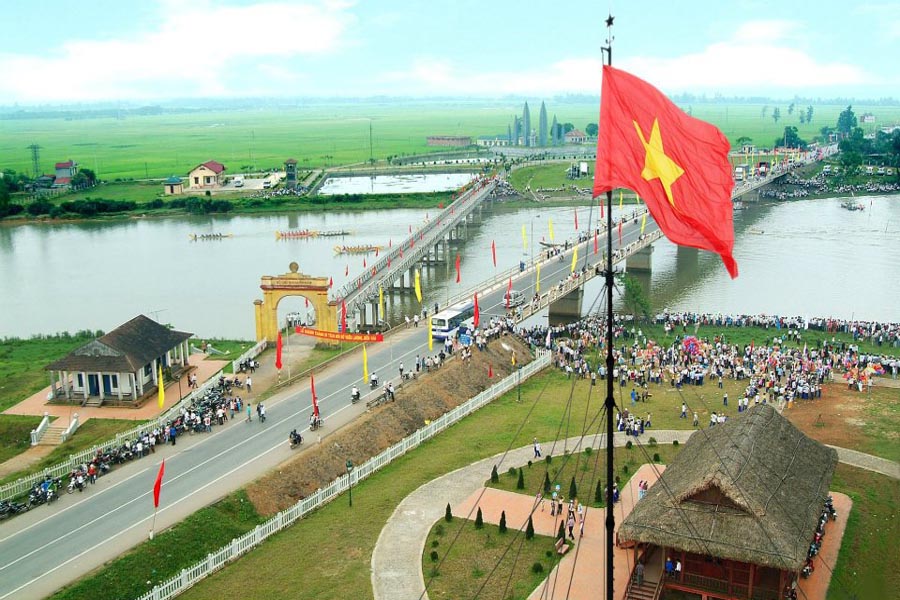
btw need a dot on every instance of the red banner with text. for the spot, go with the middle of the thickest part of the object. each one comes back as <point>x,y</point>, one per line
<point>337,336</point>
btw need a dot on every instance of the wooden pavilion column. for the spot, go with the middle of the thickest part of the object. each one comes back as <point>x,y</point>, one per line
<point>133,380</point>
<point>753,576</point>
<point>100,385</point>
<point>119,385</point>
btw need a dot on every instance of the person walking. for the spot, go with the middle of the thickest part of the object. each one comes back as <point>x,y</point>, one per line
<point>249,413</point>
<point>639,573</point>
<point>725,399</point>
<point>537,448</point>
<point>683,411</point>
<point>173,433</point>
<point>696,419</point>
<point>570,524</point>
<point>249,383</point>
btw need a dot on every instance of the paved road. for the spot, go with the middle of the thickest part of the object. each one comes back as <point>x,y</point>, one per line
<point>52,546</point>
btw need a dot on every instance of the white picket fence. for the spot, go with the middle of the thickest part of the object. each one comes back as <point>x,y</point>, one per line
<point>241,545</point>
<point>253,352</point>
<point>23,485</point>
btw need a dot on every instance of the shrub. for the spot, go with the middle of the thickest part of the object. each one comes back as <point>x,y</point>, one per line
<point>479,520</point>
<point>529,464</point>
<point>656,457</point>
<point>38,207</point>
<point>435,543</point>
<point>598,493</point>
<point>652,442</point>
<point>495,477</point>
<point>588,450</point>
<point>55,212</point>
<point>155,204</point>
<point>537,567</point>
<point>628,445</point>
<point>520,484</point>
<point>573,489</point>
<point>675,443</point>
<point>511,471</point>
<point>439,529</point>
<point>434,556</point>
<point>503,522</point>
<point>549,553</point>
<point>549,459</point>
<point>624,469</point>
<point>529,529</point>
<point>448,514</point>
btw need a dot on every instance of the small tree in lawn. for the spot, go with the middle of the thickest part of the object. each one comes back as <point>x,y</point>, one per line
<point>546,483</point>
<point>448,514</point>
<point>495,477</point>
<point>529,529</point>
<point>598,494</point>
<point>503,522</point>
<point>561,532</point>
<point>479,520</point>
<point>520,484</point>
<point>573,489</point>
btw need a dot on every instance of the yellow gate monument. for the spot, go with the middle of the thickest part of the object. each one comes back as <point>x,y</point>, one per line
<point>295,283</point>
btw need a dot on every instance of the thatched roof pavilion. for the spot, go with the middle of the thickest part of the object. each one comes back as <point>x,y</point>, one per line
<point>750,491</point>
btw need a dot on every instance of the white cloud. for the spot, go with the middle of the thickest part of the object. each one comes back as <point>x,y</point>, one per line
<point>759,57</point>
<point>186,56</point>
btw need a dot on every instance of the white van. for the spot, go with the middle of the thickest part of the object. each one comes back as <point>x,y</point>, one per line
<point>238,181</point>
<point>267,183</point>
<point>870,170</point>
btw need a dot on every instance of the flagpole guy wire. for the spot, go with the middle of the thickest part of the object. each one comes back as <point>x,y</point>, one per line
<point>610,402</point>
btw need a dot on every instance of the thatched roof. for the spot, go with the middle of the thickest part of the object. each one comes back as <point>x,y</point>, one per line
<point>126,349</point>
<point>750,490</point>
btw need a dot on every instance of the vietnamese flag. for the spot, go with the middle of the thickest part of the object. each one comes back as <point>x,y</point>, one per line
<point>494,252</point>
<point>158,485</point>
<point>278,352</point>
<point>312,389</point>
<point>596,248</point>
<point>676,163</point>
<point>490,371</point>
<point>347,270</point>
<point>390,242</point>
<point>457,267</point>
<point>508,292</point>
<point>477,313</point>
<point>364,262</point>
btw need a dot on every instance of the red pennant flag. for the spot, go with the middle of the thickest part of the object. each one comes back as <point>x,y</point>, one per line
<point>373,271</point>
<point>596,248</point>
<point>401,252</point>
<point>312,389</point>
<point>330,285</point>
<point>364,262</point>
<point>347,270</point>
<point>389,262</point>
<point>490,371</point>
<point>494,253</point>
<point>343,316</point>
<point>158,485</point>
<point>620,232</point>
<point>601,208</point>
<point>420,235</point>
<point>390,242</point>
<point>376,251</point>
<point>457,267</point>
<point>508,292</point>
<point>576,219</point>
<point>278,352</point>
<point>306,300</point>
<point>477,314</point>
<point>412,242</point>
<point>410,228</point>
<point>676,163</point>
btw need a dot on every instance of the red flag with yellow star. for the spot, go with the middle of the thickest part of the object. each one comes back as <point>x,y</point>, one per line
<point>676,163</point>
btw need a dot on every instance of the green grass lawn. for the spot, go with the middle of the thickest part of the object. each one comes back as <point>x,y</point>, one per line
<point>468,566</point>
<point>15,434</point>
<point>22,363</point>
<point>95,431</point>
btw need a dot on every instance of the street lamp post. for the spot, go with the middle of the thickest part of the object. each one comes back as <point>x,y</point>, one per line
<point>350,481</point>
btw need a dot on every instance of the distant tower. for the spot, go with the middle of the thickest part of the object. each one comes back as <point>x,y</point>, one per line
<point>526,125</point>
<point>509,137</point>
<point>35,160</point>
<point>542,126</point>
<point>554,132</point>
<point>290,171</point>
<point>517,130</point>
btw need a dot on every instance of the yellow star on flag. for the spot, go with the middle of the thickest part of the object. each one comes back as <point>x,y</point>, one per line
<point>656,164</point>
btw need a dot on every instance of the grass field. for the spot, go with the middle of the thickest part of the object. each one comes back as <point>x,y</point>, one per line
<point>468,564</point>
<point>318,135</point>
<point>346,536</point>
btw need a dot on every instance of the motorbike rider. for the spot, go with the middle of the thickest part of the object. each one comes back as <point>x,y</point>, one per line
<point>295,438</point>
<point>354,394</point>
<point>373,380</point>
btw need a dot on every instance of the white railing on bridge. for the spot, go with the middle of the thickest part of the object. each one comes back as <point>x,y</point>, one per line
<point>243,544</point>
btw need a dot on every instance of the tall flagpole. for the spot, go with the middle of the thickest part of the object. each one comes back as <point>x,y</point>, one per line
<point>610,404</point>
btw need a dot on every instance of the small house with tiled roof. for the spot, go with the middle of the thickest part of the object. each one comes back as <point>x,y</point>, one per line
<point>65,171</point>
<point>576,136</point>
<point>122,366</point>
<point>173,186</point>
<point>208,175</point>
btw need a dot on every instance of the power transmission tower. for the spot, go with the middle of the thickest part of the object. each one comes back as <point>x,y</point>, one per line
<point>35,160</point>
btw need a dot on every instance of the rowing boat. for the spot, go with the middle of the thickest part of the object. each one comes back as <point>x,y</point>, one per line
<point>209,236</point>
<point>296,234</point>
<point>362,249</point>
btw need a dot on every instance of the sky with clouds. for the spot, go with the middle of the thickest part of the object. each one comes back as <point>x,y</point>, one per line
<point>56,51</point>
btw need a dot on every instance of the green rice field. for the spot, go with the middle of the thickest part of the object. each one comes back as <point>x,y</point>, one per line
<point>155,146</point>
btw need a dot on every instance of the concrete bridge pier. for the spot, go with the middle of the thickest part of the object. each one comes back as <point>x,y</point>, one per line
<point>566,309</point>
<point>640,260</point>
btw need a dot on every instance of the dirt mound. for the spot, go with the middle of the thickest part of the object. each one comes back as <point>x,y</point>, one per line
<point>418,401</point>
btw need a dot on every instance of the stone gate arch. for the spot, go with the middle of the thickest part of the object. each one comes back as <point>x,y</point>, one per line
<point>295,283</point>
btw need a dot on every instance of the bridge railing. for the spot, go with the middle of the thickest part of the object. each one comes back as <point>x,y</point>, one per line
<point>243,544</point>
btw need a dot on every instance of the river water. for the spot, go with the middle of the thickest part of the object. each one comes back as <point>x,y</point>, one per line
<point>807,257</point>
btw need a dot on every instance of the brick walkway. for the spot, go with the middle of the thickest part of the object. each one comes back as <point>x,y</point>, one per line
<point>397,559</point>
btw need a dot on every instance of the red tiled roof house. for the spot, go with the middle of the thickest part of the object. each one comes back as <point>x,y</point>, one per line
<point>208,175</point>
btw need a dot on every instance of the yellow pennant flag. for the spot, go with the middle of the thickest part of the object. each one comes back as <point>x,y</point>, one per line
<point>550,223</point>
<point>161,386</point>
<point>524,239</point>
<point>643,223</point>
<point>365,365</point>
<point>537,284</point>
<point>430,339</point>
<point>574,258</point>
<point>418,287</point>
<point>381,302</point>
<point>620,199</point>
